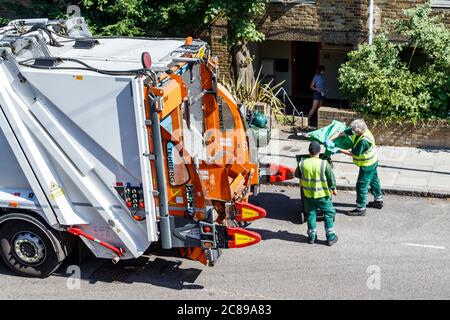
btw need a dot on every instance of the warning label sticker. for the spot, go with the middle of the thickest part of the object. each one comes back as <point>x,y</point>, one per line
<point>55,191</point>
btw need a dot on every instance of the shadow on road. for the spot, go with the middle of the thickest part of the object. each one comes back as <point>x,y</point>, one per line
<point>4,269</point>
<point>157,271</point>
<point>163,269</point>
<point>338,205</point>
<point>281,235</point>
<point>282,207</point>
<point>285,236</point>
<point>279,206</point>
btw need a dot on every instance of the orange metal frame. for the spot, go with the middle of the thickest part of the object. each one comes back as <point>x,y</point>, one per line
<point>232,173</point>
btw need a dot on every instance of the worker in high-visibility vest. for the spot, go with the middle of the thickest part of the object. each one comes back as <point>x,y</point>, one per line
<point>364,155</point>
<point>318,184</point>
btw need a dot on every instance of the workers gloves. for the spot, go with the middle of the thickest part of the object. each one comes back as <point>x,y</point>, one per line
<point>331,147</point>
<point>329,144</point>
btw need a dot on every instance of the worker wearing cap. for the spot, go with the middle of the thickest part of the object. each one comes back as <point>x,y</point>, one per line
<point>318,184</point>
<point>365,157</point>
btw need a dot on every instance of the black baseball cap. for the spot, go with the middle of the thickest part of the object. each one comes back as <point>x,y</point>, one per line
<point>314,148</point>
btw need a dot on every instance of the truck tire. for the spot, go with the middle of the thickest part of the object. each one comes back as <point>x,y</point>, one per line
<point>254,189</point>
<point>302,217</point>
<point>28,248</point>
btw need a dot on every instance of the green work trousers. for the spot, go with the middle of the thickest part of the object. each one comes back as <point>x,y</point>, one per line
<point>368,177</point>
<point>325,205</point>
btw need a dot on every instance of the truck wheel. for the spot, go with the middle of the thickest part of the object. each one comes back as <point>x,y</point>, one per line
<point>302,219</point>
<point>28,249</point>
<point>255,190</point>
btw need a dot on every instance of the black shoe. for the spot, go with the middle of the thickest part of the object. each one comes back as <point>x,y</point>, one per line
<point>311,241</point>
<point>375,204</point>
<point>357,213</point>
<point>331,242</point>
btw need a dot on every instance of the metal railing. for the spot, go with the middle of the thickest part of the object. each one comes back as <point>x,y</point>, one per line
<point>285,98</point>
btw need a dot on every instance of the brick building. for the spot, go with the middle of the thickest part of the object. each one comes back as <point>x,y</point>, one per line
<point>300,34</point>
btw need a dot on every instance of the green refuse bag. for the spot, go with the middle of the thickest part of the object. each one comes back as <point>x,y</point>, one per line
<point>259,120</point>
<point>323,134</point>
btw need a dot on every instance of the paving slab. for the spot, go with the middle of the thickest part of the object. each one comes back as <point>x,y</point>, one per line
<point>402,170</point>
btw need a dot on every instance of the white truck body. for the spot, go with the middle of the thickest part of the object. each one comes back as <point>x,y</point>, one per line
<point>69,136</point>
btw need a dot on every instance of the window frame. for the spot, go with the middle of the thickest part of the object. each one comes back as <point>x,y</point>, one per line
<point>440,4</point>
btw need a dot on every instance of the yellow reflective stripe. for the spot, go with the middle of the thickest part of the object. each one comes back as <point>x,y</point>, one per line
<point>313,189</point>
<point>322,169</point>
<point>312,180</point>
<point>242,239</point>
<point>248,213</point>
<point>369,154</point>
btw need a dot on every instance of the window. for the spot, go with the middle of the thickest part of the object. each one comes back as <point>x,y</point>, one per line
<point>178,172</point>
<point>440,3</point>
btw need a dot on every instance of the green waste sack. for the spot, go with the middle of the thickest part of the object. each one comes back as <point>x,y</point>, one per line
<point>323,134</point>
<point>259,120</point>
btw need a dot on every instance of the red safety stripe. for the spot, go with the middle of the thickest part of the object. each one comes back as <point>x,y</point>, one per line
<point>80,233</point>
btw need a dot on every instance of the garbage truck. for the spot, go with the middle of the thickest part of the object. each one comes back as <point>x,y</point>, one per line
<point>119,143</point>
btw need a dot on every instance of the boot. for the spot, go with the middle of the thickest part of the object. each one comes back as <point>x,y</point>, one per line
<point>357,213</point>
<point>375,204</point>
<point>331,242</point>
<point>312,236</point>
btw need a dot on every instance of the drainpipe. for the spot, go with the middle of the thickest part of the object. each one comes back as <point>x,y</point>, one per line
<point>370,21</point>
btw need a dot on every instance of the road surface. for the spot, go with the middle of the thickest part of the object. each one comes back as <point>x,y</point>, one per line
<point>402,251</point>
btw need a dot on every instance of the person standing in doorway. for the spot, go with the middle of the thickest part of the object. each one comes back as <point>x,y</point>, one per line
<point>318,88</point>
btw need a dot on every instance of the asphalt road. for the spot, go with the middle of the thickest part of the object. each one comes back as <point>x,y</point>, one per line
<point>402,251</point>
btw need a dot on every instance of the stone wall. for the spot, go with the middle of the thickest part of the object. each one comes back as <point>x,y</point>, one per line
<point>430,134</point>
<point>218,31</point>
<point>338,22</point>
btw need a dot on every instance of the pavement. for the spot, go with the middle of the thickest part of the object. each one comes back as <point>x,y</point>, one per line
<point>400,252</point>
<point>402,170</point>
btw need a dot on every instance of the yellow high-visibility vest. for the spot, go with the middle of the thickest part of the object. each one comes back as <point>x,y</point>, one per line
<point>313,180</point>
<point>369,157</point>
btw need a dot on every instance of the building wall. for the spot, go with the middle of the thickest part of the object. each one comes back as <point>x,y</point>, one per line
<point>268,52</point>
<point>334,22</point>
<point>218,31</point>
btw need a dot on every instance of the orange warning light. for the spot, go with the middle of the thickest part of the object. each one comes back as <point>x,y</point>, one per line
<point>139,218</point>
<point>14,204</point>
<point>188,41</point>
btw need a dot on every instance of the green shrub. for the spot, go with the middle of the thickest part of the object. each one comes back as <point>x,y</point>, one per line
<point>376,81</point>
<point>3,22</point>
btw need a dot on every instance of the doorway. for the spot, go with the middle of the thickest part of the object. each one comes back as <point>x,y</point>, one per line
<point>306,57</point>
